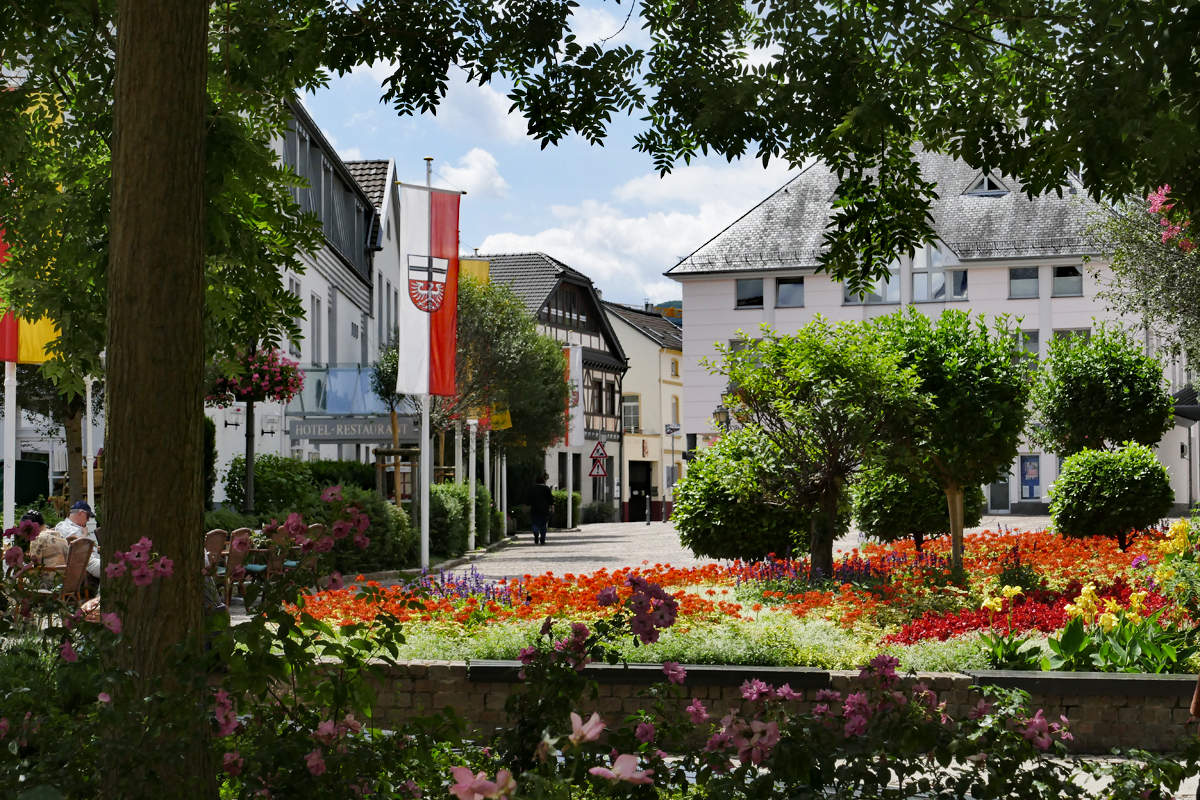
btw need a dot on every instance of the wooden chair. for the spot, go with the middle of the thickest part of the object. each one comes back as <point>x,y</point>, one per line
<point>234,560</point>
<point>214,545</point>
<point>74,586</point>
<point>277,556</point>
<point>316,533</point>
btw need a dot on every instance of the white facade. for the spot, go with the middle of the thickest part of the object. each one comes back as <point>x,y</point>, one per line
<point>1038,289</point>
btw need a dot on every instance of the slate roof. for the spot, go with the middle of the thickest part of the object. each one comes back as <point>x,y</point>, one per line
<point>653,325</point>
<point>786,229</point>
<point>372,177</point>
<point>532,276</point>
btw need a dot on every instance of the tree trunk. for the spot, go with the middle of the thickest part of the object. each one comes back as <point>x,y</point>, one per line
<point>954,500</point>
<point>248,505</point>
<point>919,541</point>
<point>821,542</point>
<point>1123,540</point>
<point>76,480</point>
<point>154,485</point>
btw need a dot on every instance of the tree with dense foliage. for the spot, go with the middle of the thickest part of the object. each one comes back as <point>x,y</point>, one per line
<point>1095,392</point>
<point>721,509</point>
<point>1110,493</point>
<point>891,505</point>
<point>977,385</point>
<point>1149,276</point>
<point>828,398</point>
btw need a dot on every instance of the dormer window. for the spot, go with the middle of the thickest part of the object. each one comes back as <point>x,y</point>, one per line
<point>987,186</point>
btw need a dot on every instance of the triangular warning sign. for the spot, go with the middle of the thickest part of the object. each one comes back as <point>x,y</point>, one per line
<point>598,470</point>
<point>598,451</point>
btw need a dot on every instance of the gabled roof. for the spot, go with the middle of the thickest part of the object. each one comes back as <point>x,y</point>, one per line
<point>372,177</point>
<point>786,229</point>
<point>532,276</point>
<point>650,324</point>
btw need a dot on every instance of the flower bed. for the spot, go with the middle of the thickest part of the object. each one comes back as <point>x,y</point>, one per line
<point>886,598</point>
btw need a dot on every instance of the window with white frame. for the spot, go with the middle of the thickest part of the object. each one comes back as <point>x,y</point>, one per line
<point>879,291</point>
<point>674,367</point>
<point>1068,282</point>
<point>675,409</point>
<point>1022,283</point>
<point>631,416</point>
<point>314,320</point>
<point>789,292</point>
<point>294,344</point>
<point>932,282</point>
<point>750,293</point>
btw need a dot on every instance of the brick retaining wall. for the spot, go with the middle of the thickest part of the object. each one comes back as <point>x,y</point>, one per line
<point>1105,710</point>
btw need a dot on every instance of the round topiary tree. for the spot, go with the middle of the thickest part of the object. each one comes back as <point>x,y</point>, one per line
<point>720,509</point>
<point>1110,493</point>
<point>889,506</point>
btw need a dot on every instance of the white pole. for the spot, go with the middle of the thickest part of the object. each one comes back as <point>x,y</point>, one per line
<point>471,479</point>
<point>425,462</point>
<point>88,460</point>
<point>458,444</point>
<point>570,488</point>
<point>504,492</point>
<point>487,458</point>
<point>10,443</point>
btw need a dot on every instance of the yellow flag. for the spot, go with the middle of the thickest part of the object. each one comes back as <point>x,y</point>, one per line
<point>474,267</point>
<point>33,339</point>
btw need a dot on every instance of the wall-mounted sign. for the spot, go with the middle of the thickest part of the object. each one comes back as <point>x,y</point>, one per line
<point>372,429</point>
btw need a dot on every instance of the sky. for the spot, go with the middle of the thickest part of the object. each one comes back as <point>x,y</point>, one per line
<point>602,210</point>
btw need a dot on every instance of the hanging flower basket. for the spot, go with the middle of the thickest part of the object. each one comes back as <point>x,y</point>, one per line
<point>260,376</point>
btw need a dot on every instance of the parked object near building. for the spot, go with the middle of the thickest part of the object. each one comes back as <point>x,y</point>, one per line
<point>568,308</point>
<point>1000,253</point>
<point>651,403</point>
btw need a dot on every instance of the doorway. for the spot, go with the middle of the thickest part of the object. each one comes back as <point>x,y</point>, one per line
<point>997,496</point>
<point>639,489</point>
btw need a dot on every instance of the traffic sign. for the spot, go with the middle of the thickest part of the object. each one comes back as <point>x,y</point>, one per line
<point>598,451</point>
<point>671,428</point>
<point>598,470</point>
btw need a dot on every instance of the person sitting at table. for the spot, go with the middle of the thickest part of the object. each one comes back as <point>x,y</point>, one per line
<point>50,548</point>
<point>75,527</point>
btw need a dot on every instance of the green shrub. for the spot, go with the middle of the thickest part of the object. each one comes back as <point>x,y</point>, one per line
<point>483,515</point>
<point>210,461</point>
<point>559,518</point>
<point>280,484</point>
<point>228,520</point>
<point>391,539</point>
<point>1110,493</point>
<point>342,473</point>
<point>720,511</point>
<point>448,519</point>
<point>598,512</point>
<point>45,508</point>
<point>499,529</point>
<point>889,506</point>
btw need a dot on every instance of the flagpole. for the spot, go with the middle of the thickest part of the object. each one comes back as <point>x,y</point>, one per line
<point>471,423</point>
<point>10,443</point>
<point>458,445</point>
<point>88,454</point>
<point>426,439</point>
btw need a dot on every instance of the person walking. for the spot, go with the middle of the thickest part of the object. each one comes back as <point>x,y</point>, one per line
<point>541,503</point>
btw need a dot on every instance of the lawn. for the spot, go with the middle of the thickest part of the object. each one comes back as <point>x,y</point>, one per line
<point>886,598</point>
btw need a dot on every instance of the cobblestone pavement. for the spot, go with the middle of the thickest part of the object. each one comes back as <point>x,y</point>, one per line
<point>628,544</point>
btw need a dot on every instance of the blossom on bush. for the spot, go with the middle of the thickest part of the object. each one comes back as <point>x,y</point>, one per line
<point>68,652</point>
<point>14,557</point>
<point>227,721</point>
<point>624,768</point>
<point>232,763</point>
<point>586,732</point>
<point>644,732</point>
<point>331,494</point>
<point>263,374</point>
<point>763,737</point>
<point>697,712</point>
<point>469,786</point>
<point>104,697</point>
<point>315,762</point>
<point>674,672</point>
<point>607,597</point>
<point>111,621</point>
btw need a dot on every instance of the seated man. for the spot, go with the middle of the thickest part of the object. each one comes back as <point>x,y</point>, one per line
<point>75,527</point>
<point>50,548</point>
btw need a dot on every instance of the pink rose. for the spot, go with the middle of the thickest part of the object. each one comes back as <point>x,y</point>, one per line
<point>68,652</point>
<point>624,768</point>
<point>112,622</point>
<point>586,732</point>
<point>674,672</point>
<point>233,763</point>
<point>316,764</point>
<point>335,581</point>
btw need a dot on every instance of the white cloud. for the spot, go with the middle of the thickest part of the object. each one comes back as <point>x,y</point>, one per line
<point>591,25</point>
<point>476,174</point>
<point>625,252</point>
<point>350,154</point>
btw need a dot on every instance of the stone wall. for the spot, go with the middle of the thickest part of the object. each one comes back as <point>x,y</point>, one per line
<point>1149,712</point>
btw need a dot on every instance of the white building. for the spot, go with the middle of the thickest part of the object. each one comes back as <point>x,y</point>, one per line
<point>651,408</point>
<point>350,289</point>
<point>1000,253</point>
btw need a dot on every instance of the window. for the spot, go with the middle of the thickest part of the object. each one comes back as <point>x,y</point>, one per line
<point>789,293</point>
<point>880,291</point>
<point>674,367</point>
<point>597,397</point>
<point>987,186</point>
<point>1031,480</point>
<point>293,344</point>
<point>631,418</point>
<point>932,283</point>
<point>1068,282</point>
<point>750,293</point>
<point>675,409</point>
<point>387,298</point>
<point>610,398</point>
<point>314,320</point>
<point>1086,333</point>
<point>1022,282</point>
<point>387,228</point>
<point>1029,340</point>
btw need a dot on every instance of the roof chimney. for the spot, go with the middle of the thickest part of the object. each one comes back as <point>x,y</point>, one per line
<point>649,307</point>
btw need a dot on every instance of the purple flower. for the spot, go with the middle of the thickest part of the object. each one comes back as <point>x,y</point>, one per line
<point>828,695</point>
<point>1140,561</point>
<point>785,693</point>
<point>644,732</point>
<point>674,672</point>
<point>607,597</point>
<point>697,712</point>
<point>756,689</point>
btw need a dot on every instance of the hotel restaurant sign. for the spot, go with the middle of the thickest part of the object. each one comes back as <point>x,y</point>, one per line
<point>365,429</point>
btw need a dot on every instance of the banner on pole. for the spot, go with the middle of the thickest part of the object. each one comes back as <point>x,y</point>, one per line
<point>574,410</point>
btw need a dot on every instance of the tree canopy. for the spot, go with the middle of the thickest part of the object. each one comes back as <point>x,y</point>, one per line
<point>977,386</point>
<point>890,505</point>
<point>827,398</point>
<point>1096,392</point>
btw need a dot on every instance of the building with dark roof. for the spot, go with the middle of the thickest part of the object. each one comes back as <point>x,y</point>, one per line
<point>568,307</point>
<point>652,455</point>
<point>1000,252</point>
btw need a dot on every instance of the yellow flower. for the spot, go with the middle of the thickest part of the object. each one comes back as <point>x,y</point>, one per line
<point>1112,606</point>
<point>993,604</point>
<point>1136,602</point>
<point>1108,621</point>
<point>1011,591</point>
<point>1071,610</point>
<point>1177,538</point>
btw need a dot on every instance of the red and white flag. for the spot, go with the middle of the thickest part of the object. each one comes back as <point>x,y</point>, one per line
<point>429,308</point>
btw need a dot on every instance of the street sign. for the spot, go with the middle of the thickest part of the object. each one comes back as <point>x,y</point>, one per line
<point>599,452</point>
<point>671,428</point>
<point>598,470</point>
